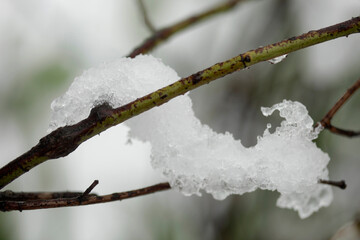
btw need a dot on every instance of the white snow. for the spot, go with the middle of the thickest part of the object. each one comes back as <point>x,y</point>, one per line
<point>277,60</point>
<point>194,158</point>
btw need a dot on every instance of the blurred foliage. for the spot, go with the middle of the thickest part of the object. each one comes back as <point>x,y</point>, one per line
<point>32,94</point>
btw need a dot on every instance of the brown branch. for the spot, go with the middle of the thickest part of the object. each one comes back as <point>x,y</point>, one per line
<point>9,195</point>
<point>26,196</point>
<point>165,33</point>
<point>10,201</point>
<point>340,184</point>
<point>326,121</point>
<point>76,199</point>
<point>145,16</point>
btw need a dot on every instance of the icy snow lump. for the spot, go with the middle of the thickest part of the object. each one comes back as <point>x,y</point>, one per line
<point>194,158</point>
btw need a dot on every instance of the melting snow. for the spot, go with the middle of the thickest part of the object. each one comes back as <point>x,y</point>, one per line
<point>277,59</point>
<point>194,158</point>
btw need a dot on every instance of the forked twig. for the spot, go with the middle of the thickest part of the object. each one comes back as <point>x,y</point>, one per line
<point>326,121</point>
<point>89,189</point>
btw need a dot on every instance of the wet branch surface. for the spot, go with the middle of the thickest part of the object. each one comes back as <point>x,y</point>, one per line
<point>326,121</point>
<point>65,140</point>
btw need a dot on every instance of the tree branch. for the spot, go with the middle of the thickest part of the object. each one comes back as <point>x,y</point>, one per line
<point>9,195</point>
<point>10,201</point>
<point>66,139</point>
<point>163,34</point>
<point>326,121</point>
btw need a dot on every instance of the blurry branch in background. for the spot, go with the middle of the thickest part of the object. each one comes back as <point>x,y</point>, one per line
<point>65,140</point>
<point>147,21</point>
<point>326,121</point>
<point>162,35</point>
<point>10,201</point>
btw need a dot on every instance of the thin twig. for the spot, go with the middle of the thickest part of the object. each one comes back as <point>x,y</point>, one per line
<point>89,189</point>
<point>340,184</point>
<point>326,121</point>
<point>10,201</point>
<point>145,16</point>
<point>87,199</point>
<point>65,140</point>
<point>163,34</point>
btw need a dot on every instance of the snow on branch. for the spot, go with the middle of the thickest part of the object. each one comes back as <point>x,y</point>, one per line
<point>64,140</point>
<point>192,156</point>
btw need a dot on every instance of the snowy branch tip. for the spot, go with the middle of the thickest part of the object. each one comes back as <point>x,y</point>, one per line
<point>193,157</point>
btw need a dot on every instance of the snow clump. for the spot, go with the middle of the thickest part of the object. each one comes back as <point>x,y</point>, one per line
<point>194,158</point>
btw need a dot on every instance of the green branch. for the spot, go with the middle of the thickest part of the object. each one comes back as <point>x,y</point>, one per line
<point>66,139</point>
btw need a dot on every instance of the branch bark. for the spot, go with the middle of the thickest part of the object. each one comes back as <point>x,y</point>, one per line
<point>66,139</point>
<point>10,201</point>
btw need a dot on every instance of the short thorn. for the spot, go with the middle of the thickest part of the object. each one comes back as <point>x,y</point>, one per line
<point>340,184</point>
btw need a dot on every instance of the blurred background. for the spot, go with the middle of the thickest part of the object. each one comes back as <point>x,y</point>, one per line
<point>44,45</point>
